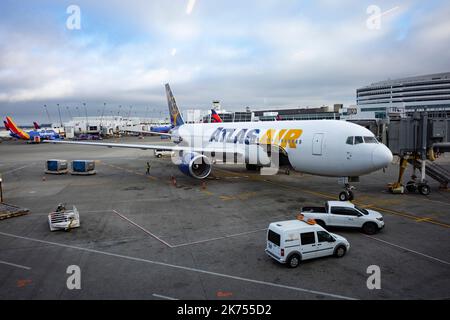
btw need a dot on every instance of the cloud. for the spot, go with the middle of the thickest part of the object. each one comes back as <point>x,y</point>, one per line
<point>252,53</point>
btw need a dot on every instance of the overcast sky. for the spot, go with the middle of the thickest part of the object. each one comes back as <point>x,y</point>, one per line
<point>257,53</point>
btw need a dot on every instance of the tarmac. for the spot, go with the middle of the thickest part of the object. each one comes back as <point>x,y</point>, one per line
<point>144,237</point>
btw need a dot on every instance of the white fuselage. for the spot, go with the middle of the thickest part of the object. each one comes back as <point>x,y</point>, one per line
<point>319,147</point>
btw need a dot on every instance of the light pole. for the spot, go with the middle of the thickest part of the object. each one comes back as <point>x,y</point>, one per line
<point>1,190</point>
<point>60,119</point>
<point>48,114</point>
<point>85,111</point>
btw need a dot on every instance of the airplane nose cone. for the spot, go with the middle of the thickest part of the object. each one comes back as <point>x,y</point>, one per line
<point>381,156</point>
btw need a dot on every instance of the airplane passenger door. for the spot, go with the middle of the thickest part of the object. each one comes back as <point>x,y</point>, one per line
<point>317,144</point>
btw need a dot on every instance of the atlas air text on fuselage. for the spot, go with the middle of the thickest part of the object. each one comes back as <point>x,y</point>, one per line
<point>285,138</point>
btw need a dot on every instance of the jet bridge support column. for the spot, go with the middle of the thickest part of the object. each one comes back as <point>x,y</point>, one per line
<point>397,187</point>
<point>423,152</point>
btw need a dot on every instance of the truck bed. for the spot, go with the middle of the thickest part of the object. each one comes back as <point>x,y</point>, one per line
<point>314,209</point>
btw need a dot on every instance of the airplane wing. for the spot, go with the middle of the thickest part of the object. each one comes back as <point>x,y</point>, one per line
<point>212,149</point>
<point>150,132</point>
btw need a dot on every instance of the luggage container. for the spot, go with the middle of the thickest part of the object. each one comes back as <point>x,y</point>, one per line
<point>83,167</point>
<point>54,166</point>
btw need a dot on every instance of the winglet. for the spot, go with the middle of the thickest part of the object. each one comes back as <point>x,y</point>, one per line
<point>175,116</point>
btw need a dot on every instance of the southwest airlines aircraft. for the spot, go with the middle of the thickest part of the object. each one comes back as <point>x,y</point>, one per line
<point>320,147</point>
<point>16,132</point>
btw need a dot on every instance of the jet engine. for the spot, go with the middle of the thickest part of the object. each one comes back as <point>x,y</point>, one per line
<point>195,165</point>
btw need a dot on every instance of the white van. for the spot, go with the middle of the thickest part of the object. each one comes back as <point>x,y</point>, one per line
<point>290,242</point>
<point>160,153</point>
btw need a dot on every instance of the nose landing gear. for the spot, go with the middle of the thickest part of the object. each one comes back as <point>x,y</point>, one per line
<point>347,194</point>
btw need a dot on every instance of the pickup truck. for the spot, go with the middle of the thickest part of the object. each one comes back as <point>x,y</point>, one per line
<point>345,214</point>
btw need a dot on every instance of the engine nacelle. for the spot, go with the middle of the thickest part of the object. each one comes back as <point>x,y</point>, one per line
<point>195,165</point>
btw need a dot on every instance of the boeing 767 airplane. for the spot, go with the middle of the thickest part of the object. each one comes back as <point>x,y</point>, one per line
<point>330,148</point>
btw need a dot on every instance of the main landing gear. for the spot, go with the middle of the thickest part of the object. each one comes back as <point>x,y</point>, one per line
<point>347,194</point>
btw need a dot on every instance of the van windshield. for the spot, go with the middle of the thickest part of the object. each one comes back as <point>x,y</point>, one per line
<point>273,237</point>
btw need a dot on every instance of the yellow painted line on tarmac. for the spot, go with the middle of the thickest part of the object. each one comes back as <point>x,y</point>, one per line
<point>423,219</point>
<point>328,196</point>
<point>368,206</point>
<point>410,216</point>
<point>226,198</point>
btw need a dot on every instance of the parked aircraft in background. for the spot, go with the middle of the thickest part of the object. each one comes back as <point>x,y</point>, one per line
<point>160,129</point>
<point>42,134</point>
<point>320,147</point>
<point>215,118</point>
<point>11,134</point>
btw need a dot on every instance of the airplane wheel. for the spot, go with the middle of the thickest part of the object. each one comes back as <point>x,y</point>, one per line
<point>411,186</point>
<point>424,189</point>
<point>344,196</point>
<point>351,196</point>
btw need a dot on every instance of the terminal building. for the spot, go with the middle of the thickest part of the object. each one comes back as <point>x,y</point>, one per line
<point>404,96</point>
<point>325,112</point>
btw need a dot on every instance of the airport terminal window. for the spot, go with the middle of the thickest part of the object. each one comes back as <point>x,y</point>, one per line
<point>370,140</point>
<point>350,140</point>
<point>359,140</point>
<point>308,238</point>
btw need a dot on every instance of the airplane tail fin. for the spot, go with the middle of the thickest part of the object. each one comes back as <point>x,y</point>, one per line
<point>6,126</point>
<point>36,125</point>
<point>215,118</point>
<point>175,116</point>
<point>16,130</point>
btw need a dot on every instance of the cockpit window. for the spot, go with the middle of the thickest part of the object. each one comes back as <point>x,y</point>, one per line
<point>359,140</point>
<point>370,140</point>
<point>350,140</point>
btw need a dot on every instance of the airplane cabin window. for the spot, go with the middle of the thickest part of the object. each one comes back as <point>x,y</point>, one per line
<point>350,140</point>
<point>359,140</point>
<point>370,140</point>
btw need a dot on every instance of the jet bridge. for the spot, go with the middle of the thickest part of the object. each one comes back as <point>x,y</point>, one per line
<point>419,140</point>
